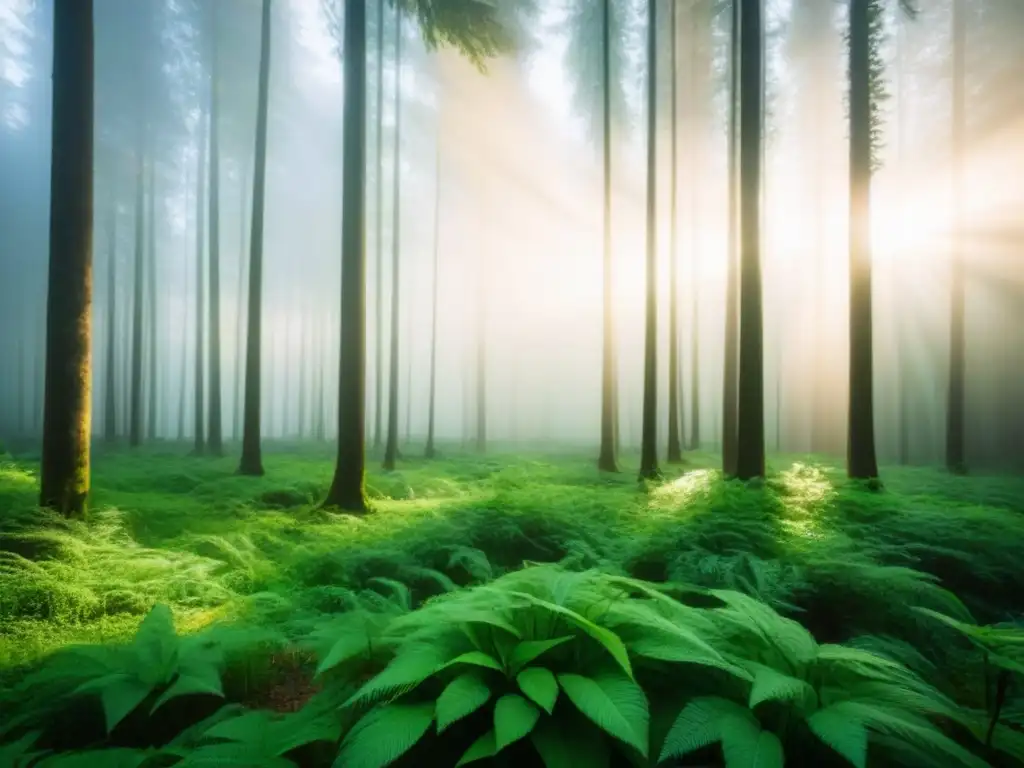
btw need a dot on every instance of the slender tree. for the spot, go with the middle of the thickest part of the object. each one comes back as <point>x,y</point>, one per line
<point>347,490</point>
<point>199,389</point>
<point>244,187</point>
<point>955,418</point>
<point>648,446</point>
<point>730,384</point>
<point>861,459</point>
<point>431,449</point>
<point>135,424</point>
<point>152,306</point>
<point>214,437</point>
<point>750,421</point>
<point>674,453</point>
<point>110,371</point>
<point>64,476</point>
<point>391,446</point>
<point>606,461</point>
<point>252,460</point>
<point>378,244</point>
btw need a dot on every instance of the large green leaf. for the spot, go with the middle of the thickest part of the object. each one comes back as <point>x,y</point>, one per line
<point>750,747</point>
<point>120,697</point>
<point>528,650</point>
<point>155,645</point>
<point>118,757</point>
<point>354,640</point>
<point>477,659</point>
<point>411,667</point>
<point>190,684</point>
<point>481,749</point>
<point>700,724</point>
<point>514,718</point>
<point>614,703</point>
<point>540,685</point>
<point>461,697</point>
<point>384,734</point>
<point>606,638</point>
<point>844,734</point>
<point>772,685</point>
<point>566,743</point>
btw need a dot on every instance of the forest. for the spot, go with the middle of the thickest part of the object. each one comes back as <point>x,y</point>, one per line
<point>556,383</point>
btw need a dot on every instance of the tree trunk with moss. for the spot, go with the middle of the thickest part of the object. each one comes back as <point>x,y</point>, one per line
<point>64,475</point>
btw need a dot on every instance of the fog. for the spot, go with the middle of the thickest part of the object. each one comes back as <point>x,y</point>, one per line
<point>500,174</point>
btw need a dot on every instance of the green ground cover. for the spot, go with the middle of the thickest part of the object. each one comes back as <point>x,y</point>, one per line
<point>256,569</point>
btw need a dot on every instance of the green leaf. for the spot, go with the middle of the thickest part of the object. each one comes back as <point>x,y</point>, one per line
<point>750,747</point>
<point>514,718</point>
<point>477,659</point>
<point>481,749</point>
<point>702,722</point>
<point>411,667</point>
<point>528,650</point>
<point>461,697</point>
<point>120,698</point>
<point>845,735</point>
<point>772,685</point>
<point>189,684</point>
<point>248,727</point>
<point>568,743</point>
<point>349,646</point>
<point>156,645</point>
<point>614,703</point>
<point>230,755</point>
<point>607,639</point>
<point>384,734</point>
<point>118,757</point>
<point>540,685</point>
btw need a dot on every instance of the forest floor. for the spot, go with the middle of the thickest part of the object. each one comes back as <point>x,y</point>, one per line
<point>188,532</point>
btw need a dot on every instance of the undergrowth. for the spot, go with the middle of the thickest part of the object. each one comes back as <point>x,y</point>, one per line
<point>259,559</point>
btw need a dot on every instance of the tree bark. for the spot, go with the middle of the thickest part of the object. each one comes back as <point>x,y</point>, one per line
<point>861,460</point>
<point>649,447</point>
<point>152,304</point>
<point>956,460</point>
<point>135,425</point>
<point>347,490</point>
<point>730,384</point>
<point>674,453</point>
<point>391,447</point>
<point>606,461</point>
<point>199,389</point>
<point>215,437</point>
<point>378,383</point>
<point>110,373</point>
<point>252,459</point>
<point>64,476</point>
<point>431,449</point>
<point>750,422</point>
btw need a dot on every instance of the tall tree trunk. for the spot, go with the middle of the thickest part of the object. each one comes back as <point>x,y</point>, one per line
<point>481,359</point>
<point>649,447</point>
<point>901,367</point>
<point>674,453</point>
<point>391,447</point>
<point>303,383</point>
<point>215,437</point>
<point>750,421</point>
<point>110,373</point>
<point>199,389</point>
<point>431,449</point>
<point>252,459</point>
<point>347,491</point>
<point>152,302</point>
<point>408,378</point>
<point>183,381</point>
<point>861,461</point>
<point>606,461</point>
<point>956,460</point>
<point>135,425</point>
<point>244,186</point>
<point>64,476</point>
<point>730,384</point>
<point>378,382</point>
